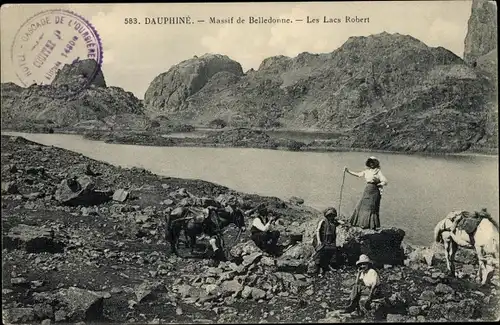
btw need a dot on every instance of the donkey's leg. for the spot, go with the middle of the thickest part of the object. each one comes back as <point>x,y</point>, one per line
<point>174,238</point>
<point>192,242</point>
<point>453,251</point>
<point>481,268</point>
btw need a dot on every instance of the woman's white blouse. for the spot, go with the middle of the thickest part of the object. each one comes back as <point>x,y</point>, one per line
<point>372,176</point>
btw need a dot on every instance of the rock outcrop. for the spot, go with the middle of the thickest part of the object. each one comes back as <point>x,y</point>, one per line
<point>480,51</point>
<point>482,28</point>
<point>32,239</point>
<point>80,73</point>
<point>169,91</point>
<point>115,265</point>
<point>72,97</point>
<point>414,97</point>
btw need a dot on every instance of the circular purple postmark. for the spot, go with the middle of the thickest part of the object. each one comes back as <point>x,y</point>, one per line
<point>49,40</point>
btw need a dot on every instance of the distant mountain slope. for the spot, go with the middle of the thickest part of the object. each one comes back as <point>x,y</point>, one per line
<point>384,91</point>
<point>169,90</point>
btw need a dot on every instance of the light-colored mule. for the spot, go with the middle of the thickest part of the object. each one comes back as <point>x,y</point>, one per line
<point>485,242</point>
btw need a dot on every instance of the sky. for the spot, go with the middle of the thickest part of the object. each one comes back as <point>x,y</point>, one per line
<point>134,54</point>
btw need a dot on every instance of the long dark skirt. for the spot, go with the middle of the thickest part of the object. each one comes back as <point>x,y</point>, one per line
<point>366,214</point>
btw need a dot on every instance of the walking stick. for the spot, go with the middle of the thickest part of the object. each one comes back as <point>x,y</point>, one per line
<point>341,190</point>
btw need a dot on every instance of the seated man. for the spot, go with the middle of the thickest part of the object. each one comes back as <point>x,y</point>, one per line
<point>367,277</point>
<point>325,240</point>
<point>262,235</point>
<point>229,211</point>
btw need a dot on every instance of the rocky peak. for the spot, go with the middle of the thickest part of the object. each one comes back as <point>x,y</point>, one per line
<point>78,73</point>
<point>77,93</point>
<point>170,89</point>
<point>482,30</point>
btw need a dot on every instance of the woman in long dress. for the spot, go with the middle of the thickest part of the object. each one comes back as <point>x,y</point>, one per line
<point>366,214</point>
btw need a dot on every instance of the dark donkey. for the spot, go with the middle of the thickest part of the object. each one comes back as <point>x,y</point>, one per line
<point>195,222</point>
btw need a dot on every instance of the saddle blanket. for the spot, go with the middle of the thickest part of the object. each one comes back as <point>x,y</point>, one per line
<point>469,225</point>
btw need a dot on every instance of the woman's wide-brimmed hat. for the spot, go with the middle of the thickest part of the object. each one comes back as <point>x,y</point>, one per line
<point>364,259</point>
<point>373,162</point>
<point>330,211</point>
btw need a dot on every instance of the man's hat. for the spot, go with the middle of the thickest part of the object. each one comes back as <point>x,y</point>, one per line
<point>330,211</point>
<point>364,259</point>
<point>262,208</point>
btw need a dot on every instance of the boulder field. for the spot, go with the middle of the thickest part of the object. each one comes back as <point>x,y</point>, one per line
<point>83,241</point>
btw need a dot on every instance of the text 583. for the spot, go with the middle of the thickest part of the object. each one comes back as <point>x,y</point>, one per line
<point>131,21</point>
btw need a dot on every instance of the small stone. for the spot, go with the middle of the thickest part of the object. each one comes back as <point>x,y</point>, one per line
<point>18,281</point>
<point>267,261</point>
<point>258,293</point>
<point>428,295</point>
<point>437,275</point>
<point>246,293</point>
<point>178,311</point>
<point>46,322</point>
<point>167,202</point>
<point>430,280</point>
<point>116,290</point>
<point>105,294</point>
<point>18,315</point>
<point>395,318</point>
<point>414,310</point>
<point>60,315</point>
<point>444,289</point>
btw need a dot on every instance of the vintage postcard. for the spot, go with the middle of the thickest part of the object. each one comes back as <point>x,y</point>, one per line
<point>274,162</point>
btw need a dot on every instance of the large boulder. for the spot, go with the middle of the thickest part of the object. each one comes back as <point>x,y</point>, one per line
<point>9,188</point>
<point>32,239</point>
<point>79,191</point>
<point>81,304</point>
<point>168,91</point>
<point>384,246</point>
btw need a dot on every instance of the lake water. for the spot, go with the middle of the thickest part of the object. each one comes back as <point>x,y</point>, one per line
<point>421,189</point>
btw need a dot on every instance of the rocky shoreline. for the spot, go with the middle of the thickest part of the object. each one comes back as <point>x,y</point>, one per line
<point>98,253</point>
